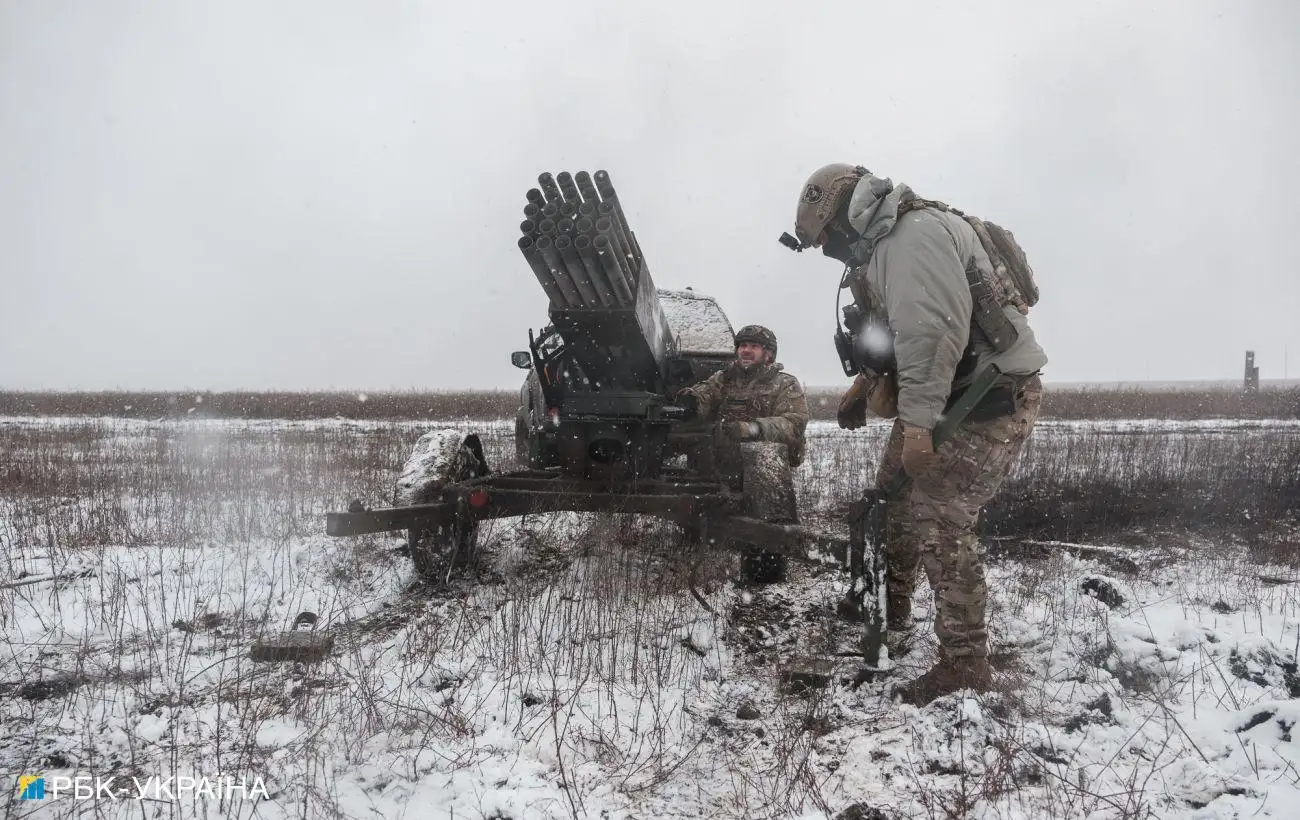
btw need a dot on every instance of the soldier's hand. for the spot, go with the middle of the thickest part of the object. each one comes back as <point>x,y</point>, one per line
<point>741,430</point>
<point>883,399</point>
<point>689,402</point>
<point>852,412</point>
<point>918,450</point>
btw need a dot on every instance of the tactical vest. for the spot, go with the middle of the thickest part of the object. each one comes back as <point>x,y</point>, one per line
<point>751,397</point>
<point>1012,283</point>
<point>1013,280</point>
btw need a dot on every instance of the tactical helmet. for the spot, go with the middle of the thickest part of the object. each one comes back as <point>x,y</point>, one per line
<point>759,335</point>
<point>821,197</point>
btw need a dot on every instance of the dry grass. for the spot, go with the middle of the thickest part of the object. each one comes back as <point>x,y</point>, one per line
<point>574,638</point>
<point>1080,484</point>
<point>354,404</point>
<point>1083,481</point>
<point>584,647</point>
<point>1097,403</point>
<point>1063,403</point>
<point>105,481</point>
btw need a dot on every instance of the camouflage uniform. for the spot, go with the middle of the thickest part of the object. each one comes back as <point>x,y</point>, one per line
<point>761,393</point>
<point>770,406</point>
<point>933,522</point>
<point>910,264</point>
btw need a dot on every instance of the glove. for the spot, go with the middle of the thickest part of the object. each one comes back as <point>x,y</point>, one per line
<point>918,450</point>
<point>869,391</point>
<point>852,412</point>
<point>741,430</point>
<point>883,398</point>
<point>689,402</point>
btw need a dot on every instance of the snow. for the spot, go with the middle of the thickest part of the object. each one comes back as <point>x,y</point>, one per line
<point>131,429</point>
<point>698,323</point>
<point>824,427</point>
<point>1112,701</point>
<point>434,461</point>
<point>581,678</point>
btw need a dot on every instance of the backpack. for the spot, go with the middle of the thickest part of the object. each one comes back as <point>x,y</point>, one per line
<point>1013,279</point>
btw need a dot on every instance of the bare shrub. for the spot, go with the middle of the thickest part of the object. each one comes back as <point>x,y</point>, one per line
<point>1135,402</point>
<point>1076,483</point>
<point>452,405</point>
<point>580,640</point>
<point>1271,402</point>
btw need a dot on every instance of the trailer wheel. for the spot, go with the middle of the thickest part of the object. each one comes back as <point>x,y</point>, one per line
<point>436,551</point>
<point>440,458</point>
<point>522,444</point>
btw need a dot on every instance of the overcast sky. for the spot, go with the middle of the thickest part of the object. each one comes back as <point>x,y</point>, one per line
<point>318,195</point>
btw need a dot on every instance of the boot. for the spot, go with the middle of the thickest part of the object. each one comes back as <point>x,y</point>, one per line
<point>948,676</point>
<point>898,612</point>
<point>899,642</point>
<point>758,567</point>
<point>898,624</point>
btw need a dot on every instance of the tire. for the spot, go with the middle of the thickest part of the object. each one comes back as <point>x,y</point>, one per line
<point>758,567</point>
<point>435,552</point>
<point>523,455</point>
<point>440,458</point>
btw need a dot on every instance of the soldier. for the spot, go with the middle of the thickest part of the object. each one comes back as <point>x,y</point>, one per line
<point>753,400</point>
<point>906,262</point>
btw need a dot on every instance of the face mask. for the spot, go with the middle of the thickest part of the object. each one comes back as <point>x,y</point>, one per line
<point>838,246</point>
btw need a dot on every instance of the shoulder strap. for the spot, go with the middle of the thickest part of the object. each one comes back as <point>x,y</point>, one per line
<point>988,295</point>
<point>916,203</point>
<point>1007,288</point>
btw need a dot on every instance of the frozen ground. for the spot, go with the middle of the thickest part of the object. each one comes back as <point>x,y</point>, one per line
<point>574,674</point>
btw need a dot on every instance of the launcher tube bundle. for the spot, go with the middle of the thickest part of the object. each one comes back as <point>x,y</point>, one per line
<point>603,302</point>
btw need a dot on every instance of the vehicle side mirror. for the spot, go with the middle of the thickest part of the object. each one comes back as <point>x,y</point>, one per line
<point>522,359</point>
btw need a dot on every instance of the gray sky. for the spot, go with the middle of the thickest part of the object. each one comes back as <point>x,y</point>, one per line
<point>319,195</point>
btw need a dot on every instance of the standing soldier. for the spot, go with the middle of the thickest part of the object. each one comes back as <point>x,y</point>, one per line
<point>753,400</point>
<point>920,274</point>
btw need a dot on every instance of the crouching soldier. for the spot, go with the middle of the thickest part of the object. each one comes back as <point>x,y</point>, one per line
<point>753,399</point>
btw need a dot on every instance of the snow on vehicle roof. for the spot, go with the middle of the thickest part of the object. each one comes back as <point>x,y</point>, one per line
<point>697,323</point>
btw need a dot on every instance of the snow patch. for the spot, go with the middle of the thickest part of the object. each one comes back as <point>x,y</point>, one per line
<point>437,458</point>
<point>698,323</point>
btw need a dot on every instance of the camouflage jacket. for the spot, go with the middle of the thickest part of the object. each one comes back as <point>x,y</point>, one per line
<point>763,394</point>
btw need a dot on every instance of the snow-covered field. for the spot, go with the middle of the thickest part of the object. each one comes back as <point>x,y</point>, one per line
<point>574,674</point>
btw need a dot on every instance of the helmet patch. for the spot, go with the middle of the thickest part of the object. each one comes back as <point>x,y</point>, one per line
<point>813,194</point>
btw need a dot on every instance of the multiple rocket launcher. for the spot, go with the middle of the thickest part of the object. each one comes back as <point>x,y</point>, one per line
<point>578,243</point>
<point>603,301</point>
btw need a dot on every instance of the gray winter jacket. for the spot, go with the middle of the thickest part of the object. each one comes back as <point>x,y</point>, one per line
<point>916,278</point>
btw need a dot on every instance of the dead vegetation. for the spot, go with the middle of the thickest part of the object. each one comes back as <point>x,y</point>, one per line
<point>577,637</point>
<point>1270,402</point>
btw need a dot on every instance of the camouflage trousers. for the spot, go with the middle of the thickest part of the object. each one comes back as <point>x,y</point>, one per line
<point>933,523</point>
